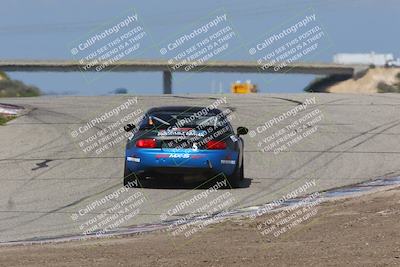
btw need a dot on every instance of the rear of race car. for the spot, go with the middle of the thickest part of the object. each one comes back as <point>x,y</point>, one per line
<point>154,156</point>
<point>164,147</point>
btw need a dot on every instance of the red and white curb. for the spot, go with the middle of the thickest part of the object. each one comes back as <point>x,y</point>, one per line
<point>10,110</point>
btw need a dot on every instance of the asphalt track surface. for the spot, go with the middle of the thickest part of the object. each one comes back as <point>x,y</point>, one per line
<point>46,178</point>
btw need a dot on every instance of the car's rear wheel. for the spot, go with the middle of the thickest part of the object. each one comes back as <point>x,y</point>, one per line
<point>130,179</point>
<point>237,176</point>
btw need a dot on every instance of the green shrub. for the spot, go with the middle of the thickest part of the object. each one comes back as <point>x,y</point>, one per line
<point>4,76</point>
<point>5,119</point>
<point>386,88</point>
<point>14,88</point>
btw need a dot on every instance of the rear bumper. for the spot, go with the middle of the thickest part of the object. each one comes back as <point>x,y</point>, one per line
<point>185,161</point>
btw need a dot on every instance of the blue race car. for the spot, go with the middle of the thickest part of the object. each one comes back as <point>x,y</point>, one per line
<point>184,141</point>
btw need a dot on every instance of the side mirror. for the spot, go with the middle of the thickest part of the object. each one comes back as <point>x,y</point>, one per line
<point>242,130</point>
<point>129,127</point>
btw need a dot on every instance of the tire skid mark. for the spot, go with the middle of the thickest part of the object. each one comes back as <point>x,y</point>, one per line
<point>391,124</point>
<point>351,191</point>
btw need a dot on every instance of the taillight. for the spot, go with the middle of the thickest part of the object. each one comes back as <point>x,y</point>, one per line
<point>216,144</point>
<point>146,143</point>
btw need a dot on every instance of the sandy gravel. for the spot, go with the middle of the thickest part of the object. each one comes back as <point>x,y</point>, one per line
<point>368,83</point>
<point>363,231</point>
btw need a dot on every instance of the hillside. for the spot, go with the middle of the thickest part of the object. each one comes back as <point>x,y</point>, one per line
<point>375,80</point>
<point>14,88</point>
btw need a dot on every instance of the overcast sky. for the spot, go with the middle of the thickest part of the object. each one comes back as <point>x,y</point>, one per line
<point>45,29</point>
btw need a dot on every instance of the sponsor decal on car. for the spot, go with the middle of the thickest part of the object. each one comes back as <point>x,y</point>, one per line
<point>182,132</point>
<point>179,156</point>
<point>161,156</point>
<point>133,159</point>
<point>233,138</point>
<point>226,161</point>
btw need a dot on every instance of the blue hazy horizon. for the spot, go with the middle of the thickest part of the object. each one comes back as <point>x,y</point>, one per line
<point>45,29</point>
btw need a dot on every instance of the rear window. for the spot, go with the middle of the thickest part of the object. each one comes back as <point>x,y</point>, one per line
<point>174,119</point>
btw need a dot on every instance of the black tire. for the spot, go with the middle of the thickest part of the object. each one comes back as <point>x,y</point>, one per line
<point>242,171</point>
<point>130,179</point>
<point>237,177</point>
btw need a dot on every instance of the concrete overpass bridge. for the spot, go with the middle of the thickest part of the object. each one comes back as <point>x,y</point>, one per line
<point>168,68</point>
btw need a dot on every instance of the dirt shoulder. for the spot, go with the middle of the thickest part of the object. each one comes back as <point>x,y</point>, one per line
<point>363,231</point>
<point>369,83</point>
<point>374,80</point>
